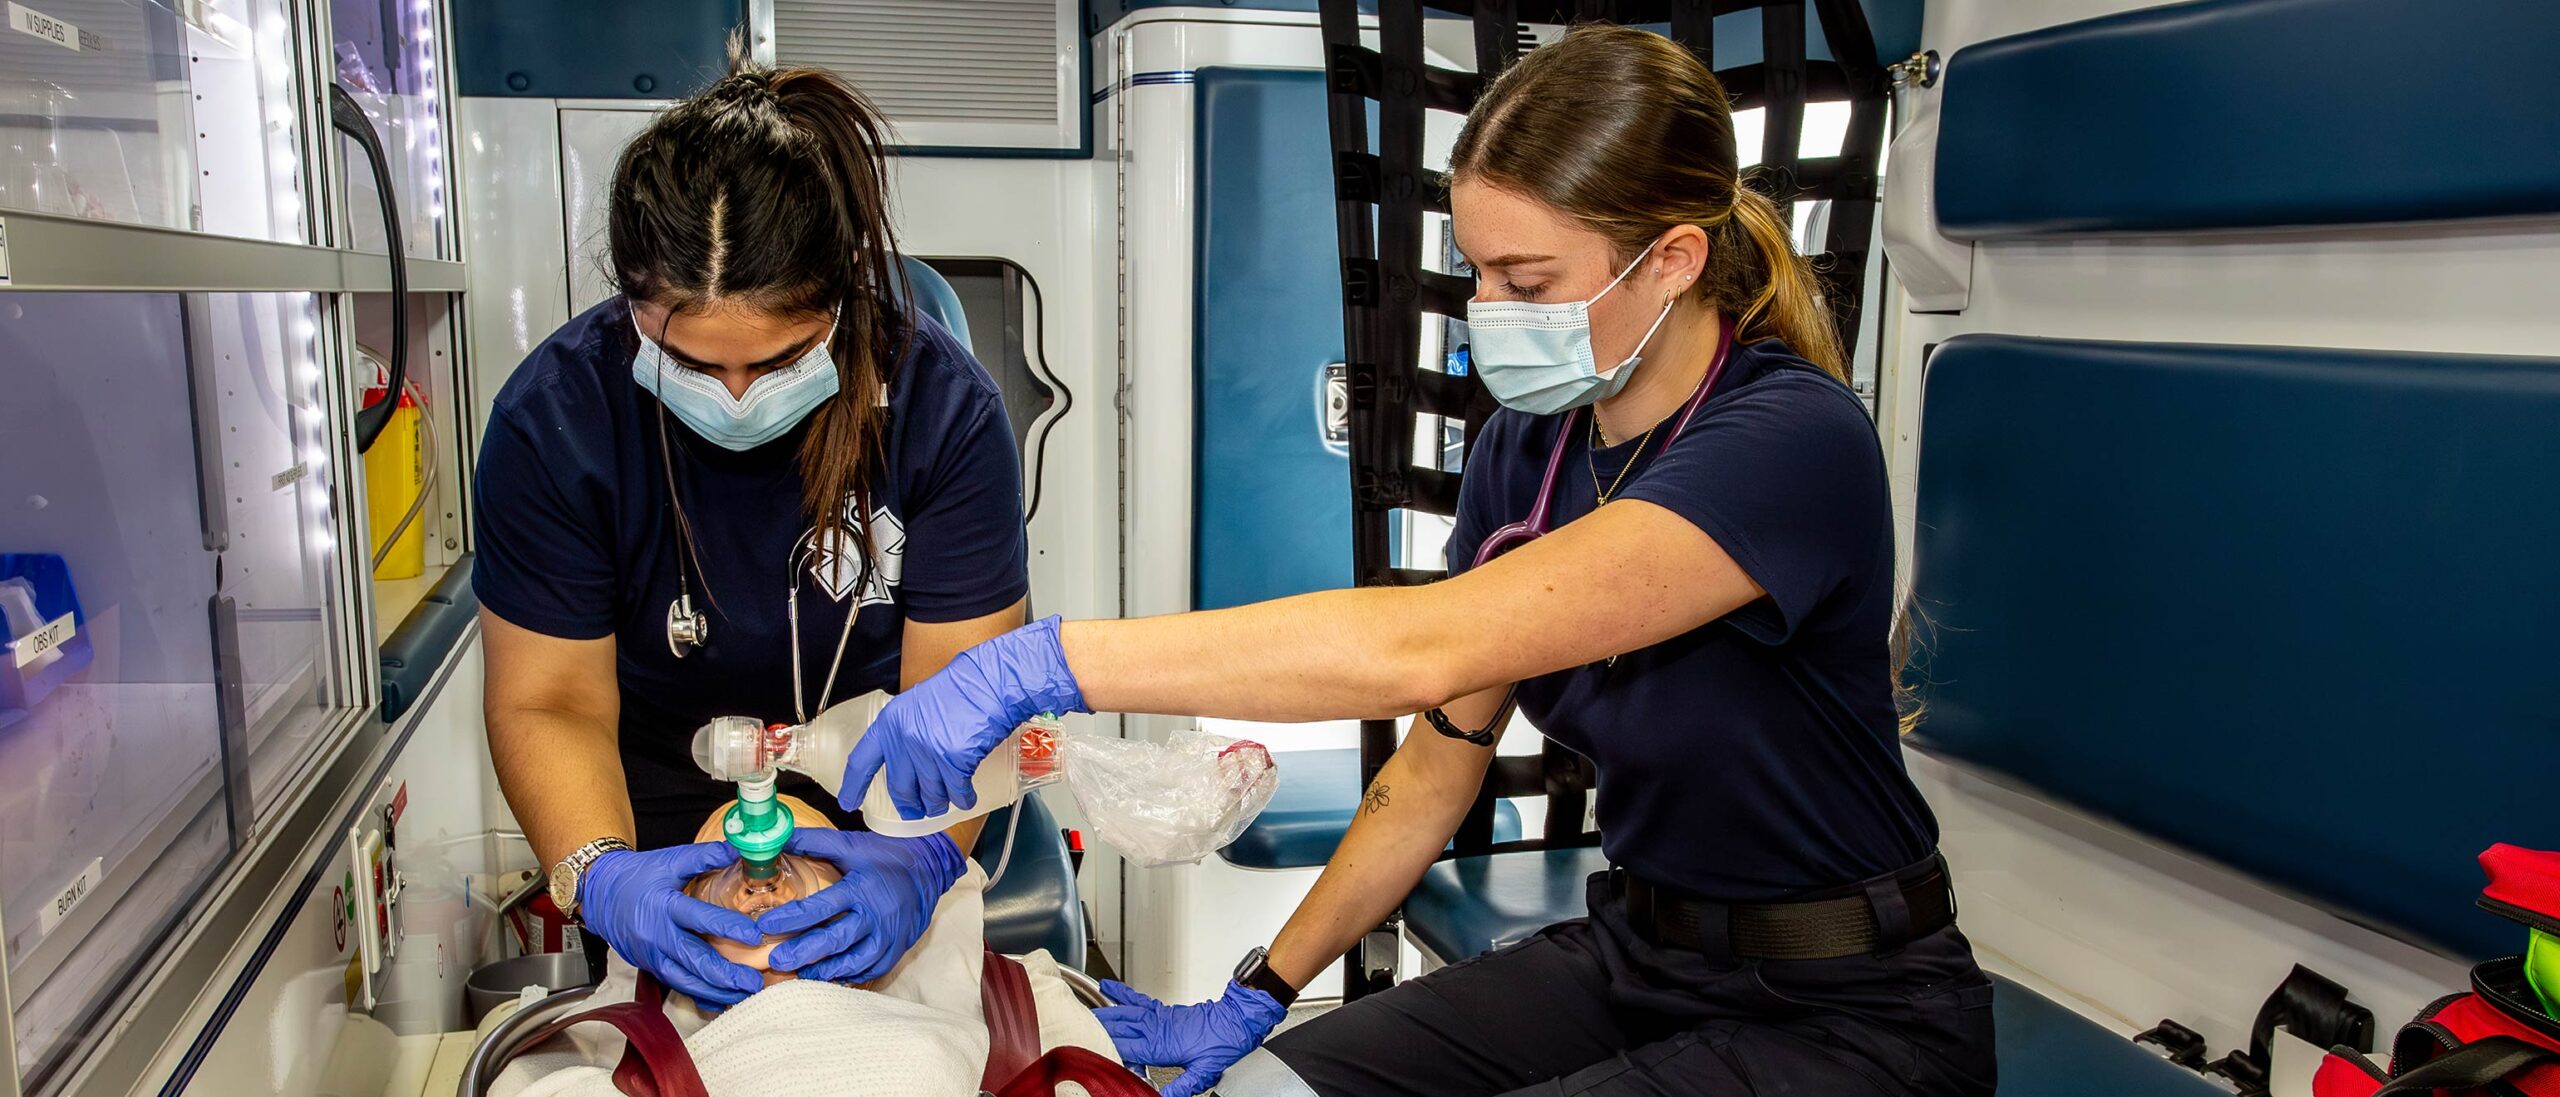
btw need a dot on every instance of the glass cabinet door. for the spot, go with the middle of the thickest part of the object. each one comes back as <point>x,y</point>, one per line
<point>386,56</point>
<point>167,540</point>
<point>178,116</point>
<point>264,433</point>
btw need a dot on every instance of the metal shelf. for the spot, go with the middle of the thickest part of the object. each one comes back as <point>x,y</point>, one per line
<point>46,252</point>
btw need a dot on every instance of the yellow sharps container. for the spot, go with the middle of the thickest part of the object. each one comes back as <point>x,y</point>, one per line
<point>394,473</point>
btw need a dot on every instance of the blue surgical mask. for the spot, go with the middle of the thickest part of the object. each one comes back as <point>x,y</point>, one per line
<point>774,403</point>
<point>1536,356</point>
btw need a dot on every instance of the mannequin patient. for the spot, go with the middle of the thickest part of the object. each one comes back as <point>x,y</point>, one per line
<point>920,1031</point>
<point>728,886</point>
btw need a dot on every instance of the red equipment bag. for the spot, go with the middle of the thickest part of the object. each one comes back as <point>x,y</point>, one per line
<point>2491,1039</point>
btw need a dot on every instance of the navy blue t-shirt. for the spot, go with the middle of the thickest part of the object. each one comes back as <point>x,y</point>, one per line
<point>577,540</point>
<point>1757,756</point>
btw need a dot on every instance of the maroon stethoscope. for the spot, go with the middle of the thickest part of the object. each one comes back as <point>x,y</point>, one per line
<point>1541,516</point>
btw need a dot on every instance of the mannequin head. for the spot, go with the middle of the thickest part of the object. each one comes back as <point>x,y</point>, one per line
<point>799,878</point>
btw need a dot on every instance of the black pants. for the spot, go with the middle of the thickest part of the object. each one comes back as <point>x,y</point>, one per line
<point>1588,1007</point>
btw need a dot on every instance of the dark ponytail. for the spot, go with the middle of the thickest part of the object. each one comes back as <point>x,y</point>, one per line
<point>767,190</point>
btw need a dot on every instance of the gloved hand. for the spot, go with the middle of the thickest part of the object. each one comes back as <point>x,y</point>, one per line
<point>635,900</point>
<point>1204,1039</point>
<point>931,738</point>
<point>886,898</point>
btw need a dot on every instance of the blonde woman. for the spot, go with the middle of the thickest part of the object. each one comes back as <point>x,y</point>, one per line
<point>1674,548</point>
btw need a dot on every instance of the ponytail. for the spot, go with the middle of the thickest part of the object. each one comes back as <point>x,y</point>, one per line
<point>767,190</point>
<point>844,446</point>
<point>1785,301</point>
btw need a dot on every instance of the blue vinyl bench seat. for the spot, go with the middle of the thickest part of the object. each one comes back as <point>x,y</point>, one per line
<point>2199,590</point>
<point>1319,790</point>
<point>2214,593</point>
<point>1035,905</point>
<point>2046,1050</point>
<point>1472,905</point>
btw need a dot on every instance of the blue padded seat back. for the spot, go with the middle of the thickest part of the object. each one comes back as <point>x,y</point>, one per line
<point>931,293</point>
<point>2253,114</point>
<point>2290,609</point>
<point>1036,904</point>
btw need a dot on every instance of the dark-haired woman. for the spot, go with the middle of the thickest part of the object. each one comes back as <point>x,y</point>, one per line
<point>1676,540</point>
<point>753,483</point>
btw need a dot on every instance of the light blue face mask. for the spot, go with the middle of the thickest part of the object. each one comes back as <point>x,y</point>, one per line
<point>1536,356</point>
<point>774,403</point>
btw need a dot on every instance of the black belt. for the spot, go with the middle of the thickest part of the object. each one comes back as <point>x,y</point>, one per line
<point>1872,917</point>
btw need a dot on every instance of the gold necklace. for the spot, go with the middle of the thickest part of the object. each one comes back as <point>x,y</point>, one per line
<point>1591,460</point>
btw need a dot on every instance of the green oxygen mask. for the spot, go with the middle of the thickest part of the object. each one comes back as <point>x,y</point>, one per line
<point>2542,970</point>
<point>757,826</point>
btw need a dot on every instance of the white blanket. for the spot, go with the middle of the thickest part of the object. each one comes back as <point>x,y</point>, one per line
<point>919,1034</point>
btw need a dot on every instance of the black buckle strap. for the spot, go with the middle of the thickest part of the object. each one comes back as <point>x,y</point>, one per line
<point>1875,917</point>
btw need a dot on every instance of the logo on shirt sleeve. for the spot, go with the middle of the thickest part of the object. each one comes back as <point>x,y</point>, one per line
<point>837,568</point>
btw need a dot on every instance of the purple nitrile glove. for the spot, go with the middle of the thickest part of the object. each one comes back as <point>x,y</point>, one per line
<point>930,739</point>
<point>635,900</point>
<point>1204,1039</point>
<point>878,910</point>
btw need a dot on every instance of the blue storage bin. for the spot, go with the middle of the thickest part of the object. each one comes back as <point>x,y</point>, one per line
<point>44,638</point>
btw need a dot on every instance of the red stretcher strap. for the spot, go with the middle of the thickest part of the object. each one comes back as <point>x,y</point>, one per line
<point>1013,1019</point>
<point>1099,1076</point>
<point>654,1060</point>
<point>1015,1066</point>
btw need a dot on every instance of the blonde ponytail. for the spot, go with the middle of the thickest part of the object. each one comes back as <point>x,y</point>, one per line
<point>1787,303</point>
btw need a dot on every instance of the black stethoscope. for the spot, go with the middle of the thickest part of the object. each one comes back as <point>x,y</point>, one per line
<point>689,630</point>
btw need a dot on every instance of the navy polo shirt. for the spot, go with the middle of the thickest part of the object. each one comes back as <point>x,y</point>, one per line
<point>577,540</point>
<point>1756,756</point>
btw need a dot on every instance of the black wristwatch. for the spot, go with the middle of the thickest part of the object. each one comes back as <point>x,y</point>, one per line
<point>1256,972</point>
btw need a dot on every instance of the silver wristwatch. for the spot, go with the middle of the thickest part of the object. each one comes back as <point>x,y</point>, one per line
<point>573,868</point>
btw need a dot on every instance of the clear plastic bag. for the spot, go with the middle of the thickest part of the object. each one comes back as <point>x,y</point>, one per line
<point>1167,803</point>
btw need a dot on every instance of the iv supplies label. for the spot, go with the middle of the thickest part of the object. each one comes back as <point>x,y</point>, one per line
<point>60,905</point>
<point>290,477</point>
<point>41,647</point>
<point>26,20</point>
